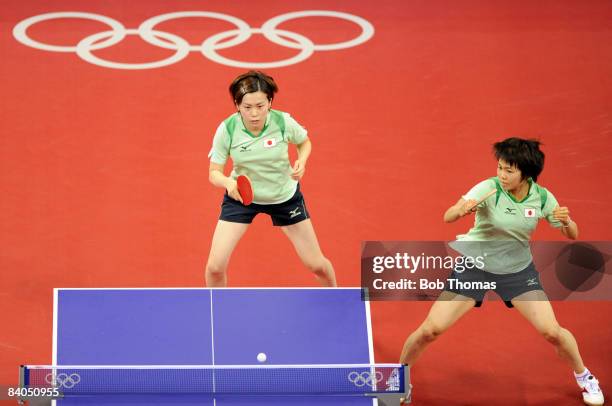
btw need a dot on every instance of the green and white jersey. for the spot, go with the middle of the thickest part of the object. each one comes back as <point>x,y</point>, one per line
<point>503,225</point>
<point>263,158</point>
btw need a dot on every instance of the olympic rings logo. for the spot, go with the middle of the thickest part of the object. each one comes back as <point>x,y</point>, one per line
<point>208,47</point>
<point>63,380</point>
<point>365,378</point>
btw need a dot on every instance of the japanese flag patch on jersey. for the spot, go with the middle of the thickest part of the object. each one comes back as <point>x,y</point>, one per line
<point>530,212</point>
<point>270,142</point>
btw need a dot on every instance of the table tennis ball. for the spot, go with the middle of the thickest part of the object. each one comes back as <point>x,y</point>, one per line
<point>261,357</point>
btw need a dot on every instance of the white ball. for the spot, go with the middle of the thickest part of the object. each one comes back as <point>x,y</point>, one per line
<point>261,357</point>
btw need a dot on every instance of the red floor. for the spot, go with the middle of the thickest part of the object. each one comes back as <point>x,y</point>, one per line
<point>104,171</point>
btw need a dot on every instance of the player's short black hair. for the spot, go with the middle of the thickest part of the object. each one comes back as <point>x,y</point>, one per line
<point>251,82</point>
<point>524,154</point>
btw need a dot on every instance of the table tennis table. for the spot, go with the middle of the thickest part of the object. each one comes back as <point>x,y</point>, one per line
<point>209,327</point>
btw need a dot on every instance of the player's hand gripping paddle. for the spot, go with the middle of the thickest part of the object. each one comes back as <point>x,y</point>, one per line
<point>245,189</point>
<point>485,197</point>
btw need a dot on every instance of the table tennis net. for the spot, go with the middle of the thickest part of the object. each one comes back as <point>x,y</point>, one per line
<point>280,380</point>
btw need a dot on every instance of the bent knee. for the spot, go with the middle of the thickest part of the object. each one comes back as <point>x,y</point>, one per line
<point>430,332</point>
<point>552,334</point>
<point>318,265</point>
<point>213,268</point>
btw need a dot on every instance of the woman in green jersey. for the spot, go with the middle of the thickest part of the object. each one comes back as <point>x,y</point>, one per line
<point>507,219</point>
<point>257,139</point>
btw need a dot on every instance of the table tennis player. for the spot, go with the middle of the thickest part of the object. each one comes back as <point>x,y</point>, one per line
<point>257,139</point>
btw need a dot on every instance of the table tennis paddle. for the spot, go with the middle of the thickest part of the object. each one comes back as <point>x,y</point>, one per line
<point>485,197</point>
<point>245,189</point>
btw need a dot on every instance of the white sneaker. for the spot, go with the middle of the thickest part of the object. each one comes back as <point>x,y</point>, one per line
<point>591,392</point>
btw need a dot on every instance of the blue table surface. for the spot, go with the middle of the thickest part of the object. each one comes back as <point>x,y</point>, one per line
<point>211,327</point>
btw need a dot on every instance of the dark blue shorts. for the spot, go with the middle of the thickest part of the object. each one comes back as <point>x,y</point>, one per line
<point>283,214</point>
<point>508,286</point>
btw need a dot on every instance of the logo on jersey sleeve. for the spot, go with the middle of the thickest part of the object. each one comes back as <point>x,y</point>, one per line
<point>270,143</point>
<point>529,213</point>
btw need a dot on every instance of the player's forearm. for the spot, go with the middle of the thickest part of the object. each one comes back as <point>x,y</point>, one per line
<point>303,151</point>
<point>218,179</point>
<point>571,230</point>
<point>452,214</point>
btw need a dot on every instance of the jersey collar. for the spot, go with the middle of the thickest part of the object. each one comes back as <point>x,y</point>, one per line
<point>244,129</point>
<point>511,196</point>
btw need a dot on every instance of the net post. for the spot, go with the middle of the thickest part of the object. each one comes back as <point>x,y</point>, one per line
<point>22,383</point>
<point>403,397</point>
<point>405,380</point>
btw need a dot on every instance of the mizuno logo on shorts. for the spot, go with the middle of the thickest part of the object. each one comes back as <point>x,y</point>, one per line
<point>295,212</point>
<point>532,282</point>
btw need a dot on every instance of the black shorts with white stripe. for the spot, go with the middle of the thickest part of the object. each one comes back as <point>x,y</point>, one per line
<point>283,214</point>
<point>474,283</point>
